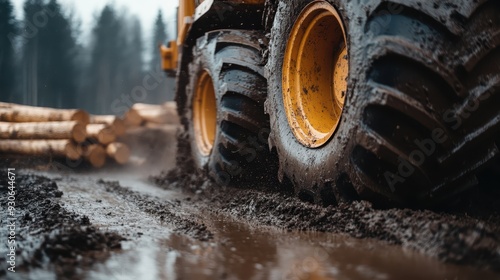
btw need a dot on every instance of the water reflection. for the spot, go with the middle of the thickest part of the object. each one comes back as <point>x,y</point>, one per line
<point>244,253</point>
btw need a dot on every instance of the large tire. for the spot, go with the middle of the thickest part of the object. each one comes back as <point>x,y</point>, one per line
<point>422,107</point>
<point>233,60</point>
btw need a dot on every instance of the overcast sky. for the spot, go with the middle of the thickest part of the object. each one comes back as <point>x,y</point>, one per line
<point>86,10</point>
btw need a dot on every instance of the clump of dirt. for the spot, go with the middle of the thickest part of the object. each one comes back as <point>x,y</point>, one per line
<point>49,235</point>
<point>165,211</point>
<point>455,236</point>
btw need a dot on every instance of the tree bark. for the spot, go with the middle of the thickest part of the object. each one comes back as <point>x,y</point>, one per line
<point>132,118</point>
<point>10,112</point>
<point>160,114</point>
<point>117,124</point>
<point>119,152</point>
<point>48,148</point>
<point>43,130</point>
<point>101,132</point>
<point>95,155</point>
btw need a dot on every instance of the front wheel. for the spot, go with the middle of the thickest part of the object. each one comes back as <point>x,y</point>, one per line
<point>226,125</point>
<point>391,103</point>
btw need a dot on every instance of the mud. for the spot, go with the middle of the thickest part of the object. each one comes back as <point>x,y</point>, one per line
<point>120,226</point>
<point>164,211</point>
<point>466,233</point>
<point>47,235</point>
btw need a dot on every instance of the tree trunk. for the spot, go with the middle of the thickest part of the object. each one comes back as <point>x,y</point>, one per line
<point>48,148</point>
<point>117,124</point>
<point>144,106</point>
<point>132,118</point>
<point>43,130</point>
<point>119,152</point>
<point>95,155</point>
<point>10,112</point>
<point>101,132</point>
<point>160,114</point>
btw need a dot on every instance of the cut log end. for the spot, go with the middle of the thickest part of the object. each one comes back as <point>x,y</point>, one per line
<point>132,118</point>
<point>95,155</point>
<point>114,122</point>
<point>72,151</point>
<point>119,152</point>
<point>101,132</point>
<point>81,116</point>
<point>79,133</point>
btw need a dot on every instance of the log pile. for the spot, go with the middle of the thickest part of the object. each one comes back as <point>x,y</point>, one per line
<point>149,115</point>
<point>74,134</point>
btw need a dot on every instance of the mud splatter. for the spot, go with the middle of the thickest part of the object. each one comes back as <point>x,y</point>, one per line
<point>47,235</point>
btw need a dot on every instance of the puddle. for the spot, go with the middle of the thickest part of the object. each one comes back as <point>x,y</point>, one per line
<point>238,250</point>
<point>243,253</point>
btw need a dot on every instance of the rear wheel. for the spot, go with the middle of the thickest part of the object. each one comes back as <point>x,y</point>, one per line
<point>226,125</point>
<point>392,103</point>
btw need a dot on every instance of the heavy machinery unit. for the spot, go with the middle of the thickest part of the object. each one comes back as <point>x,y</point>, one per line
<point>391,101</point>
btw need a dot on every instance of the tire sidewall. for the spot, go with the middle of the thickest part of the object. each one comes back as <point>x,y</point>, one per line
<point>305,166</point>
<point>203,60</point>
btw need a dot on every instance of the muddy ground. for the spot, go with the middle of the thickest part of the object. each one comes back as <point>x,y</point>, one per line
<point>123,223</point>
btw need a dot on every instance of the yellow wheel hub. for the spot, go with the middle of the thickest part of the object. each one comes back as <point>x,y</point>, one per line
<point>205,114</point>
<point>315,73</point>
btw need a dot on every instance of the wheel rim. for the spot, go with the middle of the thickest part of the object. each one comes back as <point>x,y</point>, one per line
<point>315,73</point>
<point>205,114</point>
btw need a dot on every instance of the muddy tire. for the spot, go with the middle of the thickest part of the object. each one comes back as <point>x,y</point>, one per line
<point>421,113</point>
<point>228,62</point>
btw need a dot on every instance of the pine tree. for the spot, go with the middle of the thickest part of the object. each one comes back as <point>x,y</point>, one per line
<point>107,81</point>
<point>61,83</point>
<point>159,37</point>
<point>134,48</point>
<point>33,53</point>
<point>164,90</point>
<point>7,51</point>
<point>48,56</point>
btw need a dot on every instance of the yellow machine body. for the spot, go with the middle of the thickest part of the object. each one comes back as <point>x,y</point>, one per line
<point>190,11</point>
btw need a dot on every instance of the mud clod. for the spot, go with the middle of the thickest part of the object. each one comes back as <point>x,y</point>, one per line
<point>467,234</point>
<point>47,234</point>
<point>165,211</point>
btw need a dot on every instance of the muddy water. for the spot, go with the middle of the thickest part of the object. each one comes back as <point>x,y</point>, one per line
<point>243,253</point>
<point>270,254</point>
<point>156,249</point>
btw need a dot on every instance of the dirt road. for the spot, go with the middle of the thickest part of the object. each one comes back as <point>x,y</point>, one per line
<point>123,223</point>
<point>123,226</point>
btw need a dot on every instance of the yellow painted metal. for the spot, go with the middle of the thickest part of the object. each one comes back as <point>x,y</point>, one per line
<point>315,72</point>
<point>189,11</point>
<point>184,19</point>
<point>170,55</point>
<point>205,114</point>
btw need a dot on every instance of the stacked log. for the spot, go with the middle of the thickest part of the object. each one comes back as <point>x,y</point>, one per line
<point>119,152</point>
<point>44,130</point>
<point>132,118</point>
<point>61,133</point>
<point>116,124</point>
<point>151,130</point>
<point>44,148</point>
<point>74,134</point>
<point>95,155</point>
<point>150,115</point>
<point>10,112</point>
<point>104,134</point>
